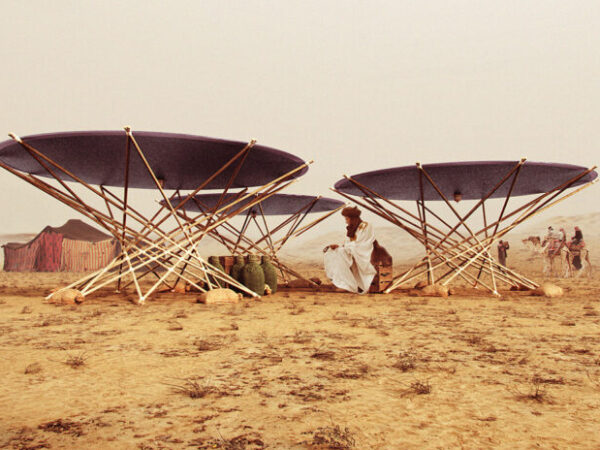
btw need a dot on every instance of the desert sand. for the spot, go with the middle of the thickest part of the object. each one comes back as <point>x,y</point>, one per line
<point>301,369</point>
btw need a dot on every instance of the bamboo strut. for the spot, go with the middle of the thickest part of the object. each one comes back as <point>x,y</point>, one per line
<point>74,201</point>
<point>514,224</point>
<point>267,234</point>
<point>464,249</point>
<point>169,250</point>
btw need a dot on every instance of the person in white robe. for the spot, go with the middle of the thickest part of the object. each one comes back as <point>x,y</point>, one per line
<point>349,265</point>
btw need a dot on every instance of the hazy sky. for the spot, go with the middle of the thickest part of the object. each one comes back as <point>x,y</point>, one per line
<point>354,85</point>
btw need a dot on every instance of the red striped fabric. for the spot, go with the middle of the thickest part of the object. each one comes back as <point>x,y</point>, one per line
<point>83,256</point>
<point>48,257</point>
<point>21,259</point>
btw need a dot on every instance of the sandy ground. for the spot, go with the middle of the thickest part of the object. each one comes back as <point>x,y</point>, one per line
<point>300,370</point>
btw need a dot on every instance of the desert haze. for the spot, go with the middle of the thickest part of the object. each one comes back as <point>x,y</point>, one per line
<point>304,369</point>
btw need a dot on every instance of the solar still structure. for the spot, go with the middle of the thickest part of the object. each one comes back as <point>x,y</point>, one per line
<point>291,212</point>
<point>98,161</point>
<point>462,247</point>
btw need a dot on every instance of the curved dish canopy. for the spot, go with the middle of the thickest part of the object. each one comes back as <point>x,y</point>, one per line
<point>180,161</point>
<point>472,180</point>
<point>276,204</point>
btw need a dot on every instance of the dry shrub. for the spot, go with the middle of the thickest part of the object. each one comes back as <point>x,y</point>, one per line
<point>63,426</point>
<point>333,437</point>
<point>26,310</point>
<point>193,389</point>
<point>242,442</point>
<point>406,361</point>
<point>474,339</point>
<point>25,438</point>
<point>354,373</point>
<point>418,387</point>
<point>301,337</point>
<point>209,344</point>
<point>491,348</point>
<point>536,391</point>
<point>76,361</point>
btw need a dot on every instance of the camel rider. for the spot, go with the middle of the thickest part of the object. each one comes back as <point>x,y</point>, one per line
<point>554,240</point>
<point>575,246</point>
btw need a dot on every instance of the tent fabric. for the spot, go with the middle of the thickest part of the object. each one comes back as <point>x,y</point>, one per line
<point>73,247</point>
<point>73,229</point>
<point>276,204</point>
<point>84,256</point>
<point>49,250</point>
<point>22,258</point>
<point>181,161</point>
<point>473,179</point>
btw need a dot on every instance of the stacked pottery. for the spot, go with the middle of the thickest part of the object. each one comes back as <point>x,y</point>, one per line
<point>236,270</point>
<point>214,261</point>
<point>253,276</point>
<point>270,273</point>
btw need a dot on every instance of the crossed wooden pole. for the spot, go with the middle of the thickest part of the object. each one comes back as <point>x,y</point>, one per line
<point>152,249</point>
<point>458,246</point>
<point>271,239</point>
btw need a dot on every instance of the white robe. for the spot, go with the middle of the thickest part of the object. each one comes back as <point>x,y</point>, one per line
<point>349,266</point>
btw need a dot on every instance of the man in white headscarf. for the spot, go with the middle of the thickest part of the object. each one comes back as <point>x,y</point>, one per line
<point>349,266</point>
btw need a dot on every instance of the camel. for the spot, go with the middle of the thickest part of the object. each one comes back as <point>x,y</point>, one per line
<point>534,243</point>
<point>548,253</point>
<point>586,265</point>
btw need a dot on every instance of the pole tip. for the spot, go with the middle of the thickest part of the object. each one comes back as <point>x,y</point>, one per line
<point>252,141</point>
<point>127,129</point>
<point>523,159</point>
<point>15,137</point>
<point>418,164</point>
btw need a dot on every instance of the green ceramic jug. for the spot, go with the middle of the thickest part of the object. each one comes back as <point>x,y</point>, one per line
<point>270,273</point>
<point>253,275</point>
<point>214,261</point>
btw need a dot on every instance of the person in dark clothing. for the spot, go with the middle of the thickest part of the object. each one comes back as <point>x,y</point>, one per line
<point>502,248</point>
<point>575,246</point>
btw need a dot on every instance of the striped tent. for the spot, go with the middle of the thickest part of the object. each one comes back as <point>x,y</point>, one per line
<point>73,247</point>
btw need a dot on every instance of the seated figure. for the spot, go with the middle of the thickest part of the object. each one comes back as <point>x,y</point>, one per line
<point>349,266</point>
